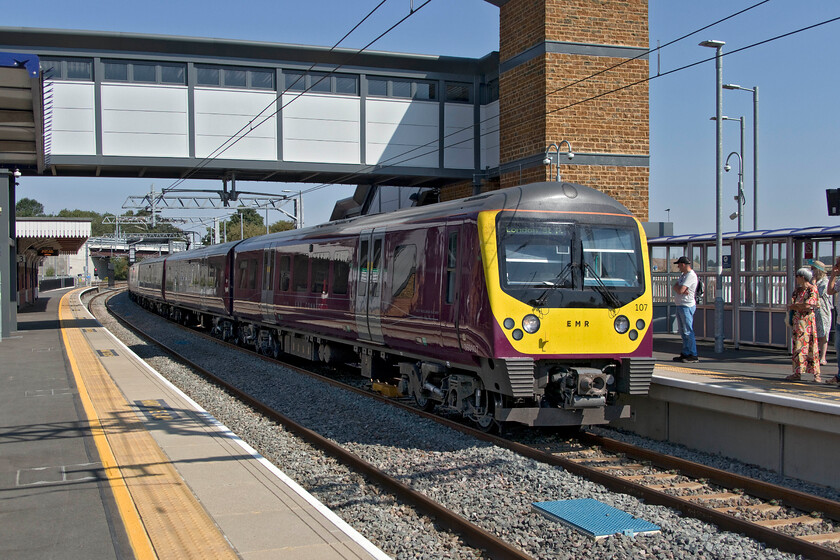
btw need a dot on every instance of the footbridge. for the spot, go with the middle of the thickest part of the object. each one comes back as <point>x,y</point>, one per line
<point>132,105</point>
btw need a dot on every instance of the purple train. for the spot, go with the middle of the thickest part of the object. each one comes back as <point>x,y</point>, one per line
<point>530,304</point>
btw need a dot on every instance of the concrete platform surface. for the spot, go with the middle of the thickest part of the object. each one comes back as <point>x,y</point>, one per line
<point>104,458</point>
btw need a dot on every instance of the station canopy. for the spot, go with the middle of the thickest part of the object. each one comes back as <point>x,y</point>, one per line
<point>52,236</point>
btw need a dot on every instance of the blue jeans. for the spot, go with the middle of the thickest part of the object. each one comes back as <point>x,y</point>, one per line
<point>685,325</point>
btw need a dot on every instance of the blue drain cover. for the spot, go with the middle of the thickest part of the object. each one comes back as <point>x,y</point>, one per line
<point>594,519</point>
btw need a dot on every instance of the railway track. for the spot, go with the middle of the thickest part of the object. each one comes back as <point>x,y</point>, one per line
<point>471,533</point>
<point>780,517</point>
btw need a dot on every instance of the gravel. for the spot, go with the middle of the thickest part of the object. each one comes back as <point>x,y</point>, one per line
<point>491,487</point>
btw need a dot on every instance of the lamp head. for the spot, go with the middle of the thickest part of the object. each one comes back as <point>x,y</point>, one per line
<point>547,161</point>
<point>733,215</point>
<point>16,173</point>
<point>727,167</point>
<point>713,44</point>
<point>571,154</point>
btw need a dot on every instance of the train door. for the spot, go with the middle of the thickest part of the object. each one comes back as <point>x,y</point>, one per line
<point>267,289</point>
<point>451,287</point>
<point>369,286</point>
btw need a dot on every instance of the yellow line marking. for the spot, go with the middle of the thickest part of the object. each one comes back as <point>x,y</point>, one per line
<point>802,388</point>
<point>137,536</point>
<point>174,522</point>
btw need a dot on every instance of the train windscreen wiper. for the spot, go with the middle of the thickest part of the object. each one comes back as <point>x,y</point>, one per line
<point>599,286</point>
<point>554,284</point>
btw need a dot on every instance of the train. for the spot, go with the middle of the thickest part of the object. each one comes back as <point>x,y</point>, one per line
<point>528,305</point>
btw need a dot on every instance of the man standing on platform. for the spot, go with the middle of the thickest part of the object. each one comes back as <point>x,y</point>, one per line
<point>684,289</point>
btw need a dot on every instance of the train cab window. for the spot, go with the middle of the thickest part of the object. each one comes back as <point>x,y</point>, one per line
<point>301,273</point>
<point>341,272</point>
<point>610,257</point>
<point>320,272</point>
<point>285,268</point>
<point>243,273</point>
<point>451,266</point>
<point>403,271</point>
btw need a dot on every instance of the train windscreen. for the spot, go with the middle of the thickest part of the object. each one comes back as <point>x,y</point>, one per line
<point>570,263</point>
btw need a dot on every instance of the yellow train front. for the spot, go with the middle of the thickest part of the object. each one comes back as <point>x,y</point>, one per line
<point>567,281</point>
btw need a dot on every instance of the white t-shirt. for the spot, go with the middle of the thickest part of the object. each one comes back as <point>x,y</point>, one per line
<point>689,280</point>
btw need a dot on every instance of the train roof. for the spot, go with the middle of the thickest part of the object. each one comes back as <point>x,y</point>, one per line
<point>206,251</point>
<point>546,196</point>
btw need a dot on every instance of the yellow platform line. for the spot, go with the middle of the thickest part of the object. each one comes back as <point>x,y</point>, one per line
<point>162,517</point>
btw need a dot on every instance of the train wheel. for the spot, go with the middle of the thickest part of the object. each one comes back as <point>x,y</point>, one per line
<point>487,422</point>
<point>424,402</point>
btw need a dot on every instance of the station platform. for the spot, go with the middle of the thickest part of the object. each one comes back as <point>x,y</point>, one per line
<point>750,369</point>
<point>738,404</point>
<point>103,458</point>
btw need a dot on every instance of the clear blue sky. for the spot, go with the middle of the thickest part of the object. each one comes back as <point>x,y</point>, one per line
<point>797,77</point>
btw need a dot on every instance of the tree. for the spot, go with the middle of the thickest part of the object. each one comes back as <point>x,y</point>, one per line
<point>97,228</point>
<point>28,207</point>
<point>281,225</point>
<point>120,268</point>
<point>251,229</point>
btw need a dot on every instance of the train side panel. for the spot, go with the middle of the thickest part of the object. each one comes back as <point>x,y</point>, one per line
<point>199,280</point>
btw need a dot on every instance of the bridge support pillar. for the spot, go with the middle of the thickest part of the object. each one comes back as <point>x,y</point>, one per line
<point>8,256</point>
<point>559,79</point>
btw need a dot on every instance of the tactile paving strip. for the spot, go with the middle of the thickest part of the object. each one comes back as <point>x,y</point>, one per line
<point>174,522</point>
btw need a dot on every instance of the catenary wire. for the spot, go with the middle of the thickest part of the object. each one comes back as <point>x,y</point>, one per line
<point>234,139</point>
<point>626,86</point>
<point>213,155</point>
<point>456,132</point>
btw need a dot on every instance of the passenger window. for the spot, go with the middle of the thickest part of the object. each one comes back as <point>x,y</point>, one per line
<point>320,272</point>
<point>301,273</point>
<point>363,267</point>
<point>252,274</point>
<point>243,273</point>
<point>404,269</point>
<point>267,258</point>
<point>451,270</point>
<point>285,268</point>
<point>375,268</point>
<point>341,272</point>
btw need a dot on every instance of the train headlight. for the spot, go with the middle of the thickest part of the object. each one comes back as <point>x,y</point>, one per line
<point>531,324</point>
<point>621,324</point>
<point>640,324</point>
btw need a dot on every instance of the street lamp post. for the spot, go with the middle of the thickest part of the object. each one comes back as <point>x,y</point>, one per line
<point>754,91</point>
<point>740,196</point>
<point>718,46</point>
<point>547,161</point>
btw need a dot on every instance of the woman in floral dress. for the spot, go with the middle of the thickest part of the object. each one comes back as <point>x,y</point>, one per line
<point>823,311</point>
<point>806,354</point>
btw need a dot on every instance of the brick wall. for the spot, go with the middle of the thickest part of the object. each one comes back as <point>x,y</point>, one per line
<point>539,102</point>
